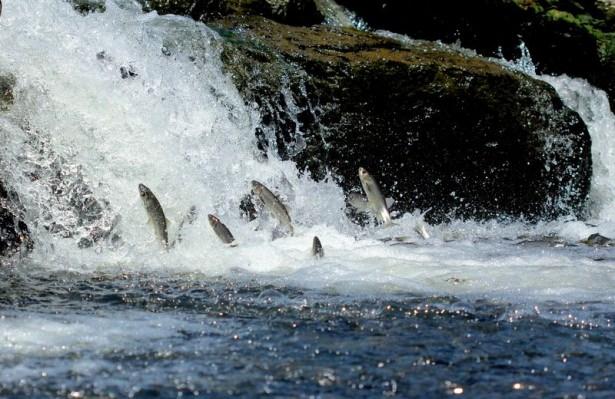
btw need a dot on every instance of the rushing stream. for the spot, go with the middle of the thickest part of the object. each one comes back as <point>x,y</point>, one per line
<point>106,101</point>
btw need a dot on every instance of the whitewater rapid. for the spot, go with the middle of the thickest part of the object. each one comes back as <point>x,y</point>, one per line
<point>179,126</point>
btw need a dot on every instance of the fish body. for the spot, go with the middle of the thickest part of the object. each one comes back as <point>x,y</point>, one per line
<point>375,199</point>
<point>273,204</point>
<point>155,214</point>
<point>317,250</point>
<point>421,229</point>
<point>223,233</point>
<point>597,240</point>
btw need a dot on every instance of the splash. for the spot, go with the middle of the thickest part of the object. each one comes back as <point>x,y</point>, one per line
<point>106,101</point>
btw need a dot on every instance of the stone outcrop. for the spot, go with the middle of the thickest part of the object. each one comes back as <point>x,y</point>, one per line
<point>575,37</point>
<point>292,12</point>
<point>441,129</point>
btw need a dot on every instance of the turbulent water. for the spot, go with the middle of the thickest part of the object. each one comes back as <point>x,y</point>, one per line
<point>106,101</point>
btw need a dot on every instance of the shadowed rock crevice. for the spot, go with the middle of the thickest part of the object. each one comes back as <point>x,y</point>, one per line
<point>13,231</point>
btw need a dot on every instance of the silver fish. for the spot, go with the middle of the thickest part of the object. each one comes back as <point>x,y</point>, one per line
<point>421,229</point>
<point>273,204</point>
<point>375,199</point>
<point>317,250</point>
<point>223,233</point>
<point>155,215</point>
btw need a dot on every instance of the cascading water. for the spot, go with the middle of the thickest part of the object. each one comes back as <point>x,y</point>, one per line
<point>79,128</point>
<point>106,101</point>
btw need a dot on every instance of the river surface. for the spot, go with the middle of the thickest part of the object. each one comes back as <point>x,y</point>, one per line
<point>106,101</point>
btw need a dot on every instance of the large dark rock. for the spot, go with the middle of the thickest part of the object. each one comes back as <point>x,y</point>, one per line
<point>575,37</point>
<point>292,12</point>
<point>441,129</point>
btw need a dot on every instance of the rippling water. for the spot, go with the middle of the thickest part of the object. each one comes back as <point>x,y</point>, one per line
<point>138,335</point>
<point>482,309</point>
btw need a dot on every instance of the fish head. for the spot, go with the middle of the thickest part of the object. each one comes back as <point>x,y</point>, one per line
<point>256,187</point>
<point>212,219</point>
<point>145,193</point>
<point>367,181</point>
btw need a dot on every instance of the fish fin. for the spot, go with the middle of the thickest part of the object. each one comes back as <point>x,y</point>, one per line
<point>421,230</point>
<point>389,225</point>
<point>168,221</point>
<point>389,202</point>
<point>149,221</point>
<point>422,216</point>
<point>358,202</point>
<point>233,244</point>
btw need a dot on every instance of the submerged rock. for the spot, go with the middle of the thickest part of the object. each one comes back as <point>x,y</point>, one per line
<point>88,6</point>
<point>440,129</point>
<point>575,37</point>
<point>7,82</point>
<point>292,12</point>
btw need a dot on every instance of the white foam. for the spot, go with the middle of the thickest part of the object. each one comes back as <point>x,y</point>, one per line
<point>181,128</point>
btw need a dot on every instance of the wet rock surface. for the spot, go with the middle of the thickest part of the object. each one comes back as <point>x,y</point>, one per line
<point>88,6</point>
<point>438,128</point>
<point>13,231</point>
<point>575,37</point>
<point>7,82</point>
<point>292,12</point>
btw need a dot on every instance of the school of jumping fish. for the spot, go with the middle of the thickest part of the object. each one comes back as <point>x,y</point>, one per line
<point>374,202</point>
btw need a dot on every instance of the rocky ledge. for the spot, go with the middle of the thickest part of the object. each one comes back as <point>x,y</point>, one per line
<point>443,130</point>
<point>574,37</point>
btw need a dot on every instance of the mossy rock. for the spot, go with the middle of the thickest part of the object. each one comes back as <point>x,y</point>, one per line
<point>7,82</point>
<point>442,130</point>
<point>293,12</point>
<point>575,37</point>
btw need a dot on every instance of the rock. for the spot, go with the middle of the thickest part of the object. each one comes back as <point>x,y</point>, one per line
<point>575,37</point>
<point>292,12</point>
<point>440,129</point>
<point>88,6</point>
<point>7,82</point>
<point>13,231</point>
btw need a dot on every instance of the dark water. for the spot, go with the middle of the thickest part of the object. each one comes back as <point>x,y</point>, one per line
<point>143,336</point>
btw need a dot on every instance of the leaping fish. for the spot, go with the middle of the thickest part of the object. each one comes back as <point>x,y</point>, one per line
<point>155,215</point>
<point>317,250</point>
<point>273,204</point>
<point>223,233</point>
<point>375,199</point>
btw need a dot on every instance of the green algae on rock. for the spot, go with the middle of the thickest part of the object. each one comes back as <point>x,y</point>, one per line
<point>575,37</point>
<point>443,130</point>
